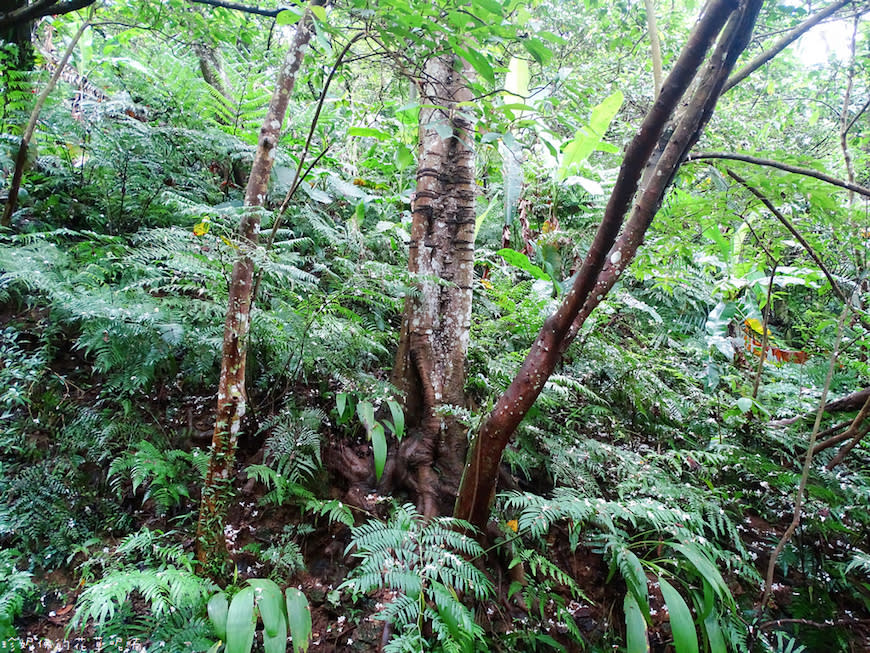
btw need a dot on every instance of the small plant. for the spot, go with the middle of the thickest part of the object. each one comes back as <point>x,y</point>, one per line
<point>150,565</point>
<point>427,565</point>
<point>365,410</point>
<point>235,621</point>
<point>164,474</point>
<point>15,587</point>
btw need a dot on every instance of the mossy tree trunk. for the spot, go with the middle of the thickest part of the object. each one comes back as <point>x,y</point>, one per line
<point>217,492</point>
<point>682,108</point>
<point>430,362</point>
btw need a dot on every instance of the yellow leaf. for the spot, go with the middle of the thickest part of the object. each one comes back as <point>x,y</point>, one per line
<point>755,325</point>
<point>513,524</point>
<point>486,283</point>
<point>228,242</point>
<point>201,228</point>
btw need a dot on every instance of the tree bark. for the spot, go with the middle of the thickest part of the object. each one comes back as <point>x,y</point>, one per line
<point>655,153</point>
<point>430,362</point>
<point>232,401</point>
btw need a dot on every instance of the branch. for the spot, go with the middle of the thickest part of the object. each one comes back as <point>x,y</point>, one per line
<point>854,431</point>
<point>782,44</point>
<point>41,8</point>
<point>794,232</point>
<point>655,46</point>
<point>779,165</point>
<point>235,6</point>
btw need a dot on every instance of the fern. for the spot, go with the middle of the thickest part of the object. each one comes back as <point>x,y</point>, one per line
<point>426,562</point>
<point>149,565</point>
<point>16,587</point>
<point>164,474</point>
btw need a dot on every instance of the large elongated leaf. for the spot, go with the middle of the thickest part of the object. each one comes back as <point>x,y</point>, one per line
<point>241,622</point>
<point>682,625</point>
<point>379,448</point>
<point>299,619</point>
<point>217,613</point>
<point>270,601</point>
<point>521,261</point>
<point>706,568</point>
<point>636,639</point>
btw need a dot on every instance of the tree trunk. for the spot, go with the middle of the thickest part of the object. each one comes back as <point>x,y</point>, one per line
<point>430,363</point>
<point>231,402</point>
<point>656,152</point>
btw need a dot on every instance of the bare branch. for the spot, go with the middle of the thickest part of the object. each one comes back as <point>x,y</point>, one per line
<point>787,167</point>
<point>655,45</point>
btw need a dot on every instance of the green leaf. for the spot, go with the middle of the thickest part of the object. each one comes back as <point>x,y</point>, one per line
<point>341,403</point>
<point>478,62</point>
<point>682,625</point>
<point>604,113</point>
<point>404,157</point>
<point>540,52</point>
<point>369,132</point>
<point>379,447</point>
<point>706,569</point>
<point>490,6</point>
<point>288,17</point>
<point>366,413</point>
<point>217,614</point>
<point>636,639</point>
<point>270,601</point>
<point>715,637</point>
<point>299,619</point>
<point>241,622</point>
<point>521,261</point>
<point>398,418</point>
<point>319,12</point>
<point>635,578</point>
<point>744,404</point>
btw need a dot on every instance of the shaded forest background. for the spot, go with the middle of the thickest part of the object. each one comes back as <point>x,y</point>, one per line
<point>276,284</point>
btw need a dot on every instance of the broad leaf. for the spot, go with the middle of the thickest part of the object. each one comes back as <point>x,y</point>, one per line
<point>299,619</point>
<point>682,624</point>
<point>521,261</point>
<point>241,622</point>
<point>636,638</point>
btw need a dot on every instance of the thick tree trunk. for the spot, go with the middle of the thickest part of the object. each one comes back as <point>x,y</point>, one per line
<point>430,363</point>
<point>231,402</point>
<point>656,153</point>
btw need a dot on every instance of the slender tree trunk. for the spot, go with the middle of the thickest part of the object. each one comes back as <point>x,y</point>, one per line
<point>232,400</point>
<point>655,153</point>
<point>430,363</point>
<point>27,136</point>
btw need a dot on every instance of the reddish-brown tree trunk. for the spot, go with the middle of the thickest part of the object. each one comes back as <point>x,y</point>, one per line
<point>654,154</point>
<point>231,402</point>
<point>430,363</point>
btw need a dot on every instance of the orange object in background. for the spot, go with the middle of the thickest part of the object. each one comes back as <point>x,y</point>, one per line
<point>752,328</point>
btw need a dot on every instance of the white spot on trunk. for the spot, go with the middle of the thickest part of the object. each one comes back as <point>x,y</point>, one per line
<point>616,257</point>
